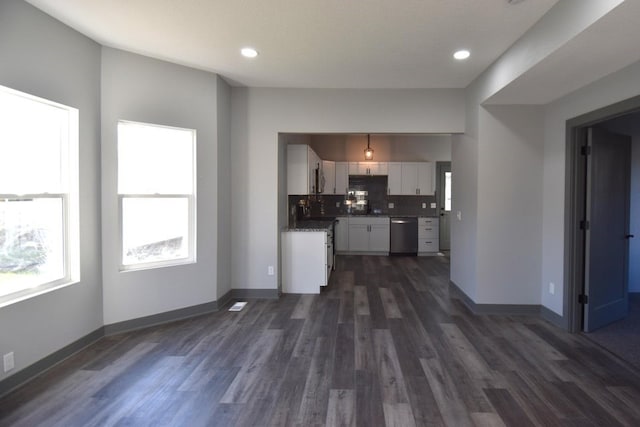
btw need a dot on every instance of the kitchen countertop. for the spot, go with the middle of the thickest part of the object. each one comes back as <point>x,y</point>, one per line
<point>325,223</point>
<point>391,216</point>
<point>313,225</point>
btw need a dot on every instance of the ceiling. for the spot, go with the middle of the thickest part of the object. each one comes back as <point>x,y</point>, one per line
<point>311,43</point>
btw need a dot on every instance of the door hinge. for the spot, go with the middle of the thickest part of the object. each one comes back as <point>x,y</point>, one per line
<point>584,225</point>
<point>585,150</point>
<point>583,299</point>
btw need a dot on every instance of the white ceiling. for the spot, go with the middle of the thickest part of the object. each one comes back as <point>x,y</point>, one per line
<point>311,43</point>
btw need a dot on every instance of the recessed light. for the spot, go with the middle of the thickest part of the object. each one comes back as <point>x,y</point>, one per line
<point>249,52</point>
<point>461,54</point>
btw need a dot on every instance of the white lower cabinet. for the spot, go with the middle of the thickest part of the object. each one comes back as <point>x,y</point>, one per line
<point>368,234</point>
<point>306,261</point>
<point>428,236</point>
<point>358,237</point>
<point>342,234</point>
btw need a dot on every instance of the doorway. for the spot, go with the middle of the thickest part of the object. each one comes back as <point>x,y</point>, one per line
<point>605,226</point>
<point>603,189</point>
<point>443,194</point>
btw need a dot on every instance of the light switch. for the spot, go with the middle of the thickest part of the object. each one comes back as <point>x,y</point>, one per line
<point>433,205</point>
<point>459,215</point>
<point>337,204</point>
<point>424,206</point>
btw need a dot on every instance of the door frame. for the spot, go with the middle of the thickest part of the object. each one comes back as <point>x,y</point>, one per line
<point>439,193</point>
<point>575,200</point>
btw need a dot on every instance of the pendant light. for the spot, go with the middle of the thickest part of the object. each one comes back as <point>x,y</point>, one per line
<point>368,152</point>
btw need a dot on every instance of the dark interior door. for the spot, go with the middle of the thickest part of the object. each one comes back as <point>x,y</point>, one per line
<point>607,211</point>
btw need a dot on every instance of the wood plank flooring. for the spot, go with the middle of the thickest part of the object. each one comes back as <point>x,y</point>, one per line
<point>384,345</point>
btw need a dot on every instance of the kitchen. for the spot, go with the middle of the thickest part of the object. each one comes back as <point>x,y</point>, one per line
<point>342,201</point>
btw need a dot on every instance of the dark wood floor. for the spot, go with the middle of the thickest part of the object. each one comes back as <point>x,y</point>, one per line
<point>385,344</point>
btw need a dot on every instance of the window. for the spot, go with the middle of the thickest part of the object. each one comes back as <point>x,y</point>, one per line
<point>447,191</point>
<point>38,195</point>
<point>156,192</point>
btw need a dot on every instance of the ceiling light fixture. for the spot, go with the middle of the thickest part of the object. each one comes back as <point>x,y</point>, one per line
<point>249,52</point>
<point>368,152</point>
<point>462,54</point>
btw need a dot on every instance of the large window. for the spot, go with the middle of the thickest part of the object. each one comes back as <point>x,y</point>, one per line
<point>156,191</point>
<point>38,194</point>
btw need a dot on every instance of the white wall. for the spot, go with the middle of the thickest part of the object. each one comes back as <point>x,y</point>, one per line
<point>464,231</point>
<point>258,115</point>
<point>497,189</point>
<point>509,205</point>
<point>147,90</point>
<point>513,185</point>
<point>42,57</point>
<point>616,87</point>
<point>560,25</point>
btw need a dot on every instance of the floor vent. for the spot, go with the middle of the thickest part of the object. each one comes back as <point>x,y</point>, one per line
<point>238,306</point>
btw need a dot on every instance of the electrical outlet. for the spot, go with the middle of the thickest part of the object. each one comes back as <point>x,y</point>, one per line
<point>391,205</point>
<point>8,362</point>
<point>337,204</point>
<point>433,205</point>
<point>424,206</point>
<point>270,270</point>
<point>552,288</point>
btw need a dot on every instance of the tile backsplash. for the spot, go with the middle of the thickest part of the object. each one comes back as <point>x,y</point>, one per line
<point>333,204</point>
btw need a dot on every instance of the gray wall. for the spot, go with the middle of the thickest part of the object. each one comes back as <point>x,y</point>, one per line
<point>42,57</point>
<point>497,190</point>
<point>614,88</point>
<point>509,205</point>
<point>387,148</point>
<point>509,184</point>
<point>224,188</point>
<point>152,91</point>
<point>259,115</point>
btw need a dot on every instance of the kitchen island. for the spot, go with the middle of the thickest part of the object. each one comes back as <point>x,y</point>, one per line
<point>307,257</point>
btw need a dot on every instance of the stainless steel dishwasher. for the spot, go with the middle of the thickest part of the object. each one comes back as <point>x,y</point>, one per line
<point>404,236</point>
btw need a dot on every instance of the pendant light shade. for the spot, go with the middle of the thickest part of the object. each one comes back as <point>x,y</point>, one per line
<point>368,152</point>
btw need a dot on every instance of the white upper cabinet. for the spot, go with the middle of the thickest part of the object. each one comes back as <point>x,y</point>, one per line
<point>426,182</point>
<point>411,178</point>
<point>378,168</point>
<point>404,178</point>
<point>342,177</point>
<point>329,174</point>
<point>394,181</point>
<point>368,168</point>
<point>315,164</point>
<point>302,163</point>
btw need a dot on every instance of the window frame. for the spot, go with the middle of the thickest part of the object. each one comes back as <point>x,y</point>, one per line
<point>69,197</point>
<point>191,200</point>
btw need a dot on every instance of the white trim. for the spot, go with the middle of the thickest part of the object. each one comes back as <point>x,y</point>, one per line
<point>69,177</point>
<point>191,200</point>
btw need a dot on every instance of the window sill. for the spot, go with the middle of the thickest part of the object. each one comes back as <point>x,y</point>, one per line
<point>156,265</point>
<point>26,294</point>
